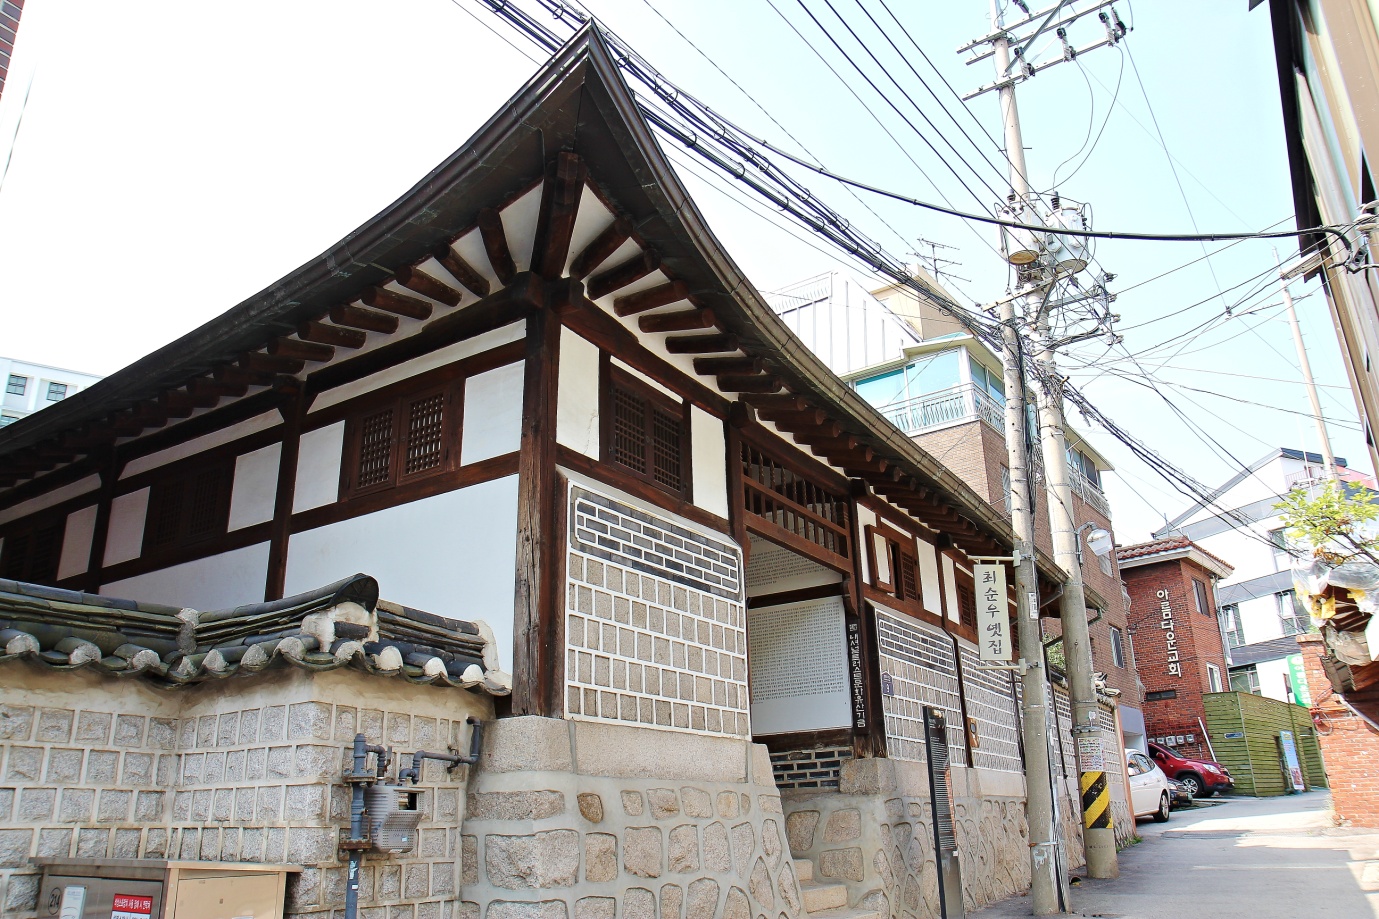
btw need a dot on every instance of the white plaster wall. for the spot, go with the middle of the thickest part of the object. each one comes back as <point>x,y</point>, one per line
<point>256,486</point>
<point>125,538</point>
<point>1271,674</point>
<point>950,589</point>
<point>318,467</point>
<point>928,578</point>
<point>197,445</point>
<point>454,555</point>
<point>628,368</point>
<point>492,413</point>
<point>865,518</point>
<point>1260,619</point>
<point>577,399</point>
<point>710,463</point>
<point>213,583</point>
<point>418,365</point>
<point>56,496</point>
<point>591,219</point>
<point>519,226</point>
<point>76,542</point>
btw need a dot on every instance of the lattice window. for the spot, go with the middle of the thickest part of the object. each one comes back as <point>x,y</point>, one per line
<point>405,437</point>
<point>778,493</point>
<point>645,432</point>
<point>907,584</point>
<point>967,606</point>
<point>31,551</point>
<point>188,507</point>
<point>425,434</point>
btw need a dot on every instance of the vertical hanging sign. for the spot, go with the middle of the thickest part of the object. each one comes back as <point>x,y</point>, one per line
<point>993,612</point>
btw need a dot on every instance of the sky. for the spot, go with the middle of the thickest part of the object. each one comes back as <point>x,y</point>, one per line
<point>163,161</point>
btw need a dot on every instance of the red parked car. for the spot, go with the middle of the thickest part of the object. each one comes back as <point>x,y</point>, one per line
<point>1202,777</point>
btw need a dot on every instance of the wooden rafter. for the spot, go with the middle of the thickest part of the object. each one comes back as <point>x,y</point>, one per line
<point>712,366</point>
<point>679,321</point>
<point>651,298</point>
<point>749,383</point>
<point>462,271</point>
<point>271,363</point>
<point>623,274</point>
<point>496,245</point>
<point>337,336</point>
<point>427,286</point>
<point>394,302</point>
<point>560,195</point>
<point>716,343</point>
<point>300,350</point>
<point>603,245</point>
<point>358,317</point>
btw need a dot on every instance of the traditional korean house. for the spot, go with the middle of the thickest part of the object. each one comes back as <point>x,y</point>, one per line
<point>535,393</point>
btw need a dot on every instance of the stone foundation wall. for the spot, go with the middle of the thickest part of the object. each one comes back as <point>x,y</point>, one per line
<point>875,834</point>
<point>246,769</point>
<point>580,820</point>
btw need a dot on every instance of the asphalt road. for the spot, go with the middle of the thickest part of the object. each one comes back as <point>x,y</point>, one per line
<point>1261,858</point>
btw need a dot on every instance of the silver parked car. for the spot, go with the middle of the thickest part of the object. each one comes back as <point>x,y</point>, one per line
<point>1150,794</point>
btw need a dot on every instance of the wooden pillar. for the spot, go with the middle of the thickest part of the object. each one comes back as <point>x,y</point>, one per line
<point>110,476</point>
<point>536,608</point>
<point>860,619</point>
<point>293,409</point>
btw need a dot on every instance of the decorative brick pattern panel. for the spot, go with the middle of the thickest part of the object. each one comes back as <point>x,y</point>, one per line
<point>991,701</point>
<point>919,664</point>
<point>644,644</point>
<point>816,768</point>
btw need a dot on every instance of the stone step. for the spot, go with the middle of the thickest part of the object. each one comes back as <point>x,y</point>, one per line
<point>820,897</point>
<point>804,869</point>
<point>845,912</point>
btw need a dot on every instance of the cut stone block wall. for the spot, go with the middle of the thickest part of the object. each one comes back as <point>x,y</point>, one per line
<point>581,820</point>
<point>875,834</point>
<point>236,770</point>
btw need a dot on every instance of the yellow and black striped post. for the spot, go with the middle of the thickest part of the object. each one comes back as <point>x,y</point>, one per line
<point>1096,801</point>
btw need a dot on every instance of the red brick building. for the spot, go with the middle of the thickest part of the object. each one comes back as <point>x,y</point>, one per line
<point>1350,747</point>
<point>10,11</point>
<point>1176,634</point>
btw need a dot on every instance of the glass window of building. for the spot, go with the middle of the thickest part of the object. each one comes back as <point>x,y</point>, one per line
<point>987,381</point>
<point>1231,626</point>
<point>57,392</point>
<point>1281,558</point>
<point>16,384</point>
<point>1291,614</point>
<point>1199,596</point>
<point>1245,679</point>
<point>1117,647</point>
<point>1213,678</point>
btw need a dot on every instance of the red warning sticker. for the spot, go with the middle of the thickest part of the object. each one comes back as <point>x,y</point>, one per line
<point>128,906</point>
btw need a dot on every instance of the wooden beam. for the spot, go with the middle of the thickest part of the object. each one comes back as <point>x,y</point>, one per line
<point>701,344</point>
<point>177,403</point>
<point>292,411</point>
<point>300,350</point>
<point>842,444</point>
<point>711,366</point>
<point>776,403</point>
<point>427,286</point>
<point>124,424</point>
<point>560,197</point>
<point>324,334</point>
<point>650,298</point>
<point>207,392</point>
<point>397,303</point>
<point>496,245</point>
<point>271,363</point>
<point>749,383</point>
<point>151,413</point>
<point>357,317</point>
<point>810,417</point>
<point>461,270</point>
<point>604,245</point>
<point>623,274</point>
<point>678,321</point>
<point>230,373</point>
<point>826,429</point>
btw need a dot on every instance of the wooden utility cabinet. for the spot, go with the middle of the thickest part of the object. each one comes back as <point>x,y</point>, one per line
<point>141,888</point>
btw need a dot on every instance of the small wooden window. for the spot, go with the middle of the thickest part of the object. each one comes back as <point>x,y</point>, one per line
<point>400,440</point>
<point>31,551</point>
<point>644,431</point>
<point>188,507</point>
<point>901,560</point>
<point>967,606</point>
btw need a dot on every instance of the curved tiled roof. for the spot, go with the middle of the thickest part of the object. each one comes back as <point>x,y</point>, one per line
<point>340,625</point>
<point>1164,546</point>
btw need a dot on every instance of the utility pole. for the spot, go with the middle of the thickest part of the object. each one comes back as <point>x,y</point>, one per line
<point>1306,374</point>
<point>1043,261</point>
<point>1046,892</point>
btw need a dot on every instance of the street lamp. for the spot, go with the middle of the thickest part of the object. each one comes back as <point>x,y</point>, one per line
<point>1099,541</point>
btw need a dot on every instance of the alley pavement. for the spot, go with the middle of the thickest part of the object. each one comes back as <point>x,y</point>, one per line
<point>1262,858</point>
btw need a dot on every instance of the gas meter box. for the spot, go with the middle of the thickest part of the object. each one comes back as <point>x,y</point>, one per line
<point>143,888</point>
<point>393,817</point>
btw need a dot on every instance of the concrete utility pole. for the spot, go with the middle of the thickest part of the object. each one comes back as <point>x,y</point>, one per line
<point>1036,256</point>
<point>1306,374</point>
<point>1046,892</point>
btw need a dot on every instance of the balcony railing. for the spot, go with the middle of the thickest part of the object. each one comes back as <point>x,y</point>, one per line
<point>1088,491</point>
<point>958,403</point>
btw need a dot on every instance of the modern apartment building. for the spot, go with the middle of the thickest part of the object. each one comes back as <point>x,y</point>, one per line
<point>30,387</point>
<point>1259,612</point>
<point>941,386</point>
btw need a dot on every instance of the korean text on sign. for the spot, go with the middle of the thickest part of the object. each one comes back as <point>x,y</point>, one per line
<point>993,616</point>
